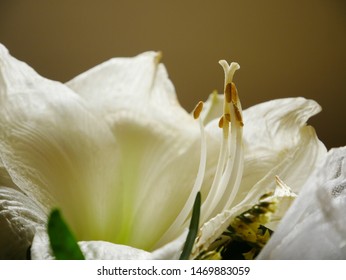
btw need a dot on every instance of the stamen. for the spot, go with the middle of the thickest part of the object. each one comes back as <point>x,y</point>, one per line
<point>224,117</point>
<point>221,122</point>
<point>228,92</point>
<point>225,194</point>
<point>230,165</point>
<point>198,109</point>
<point>234,93</point>
<point>209,203</point>
<point>182,217</point>
<point>234,177</point>
<point>238,115</point>
<point>227,117</point>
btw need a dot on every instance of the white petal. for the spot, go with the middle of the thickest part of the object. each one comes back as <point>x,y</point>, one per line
<point>92,250</point>
<point>56,151</point>
<point>213,108</point>
<point>303,157</point>
<point>159,164</point>
<point>100,250</point>
<point>59,153</point>
<point>278,142</point>
<point>158,142</point>
<point>314,227</point>
<point>139,84</point>
<point>40,248</point>
<point>20,217</point>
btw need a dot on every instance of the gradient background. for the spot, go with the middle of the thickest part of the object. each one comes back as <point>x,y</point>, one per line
<point>285,48</point>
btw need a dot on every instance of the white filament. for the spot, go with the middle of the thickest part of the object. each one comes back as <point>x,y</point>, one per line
<point>182,217</point>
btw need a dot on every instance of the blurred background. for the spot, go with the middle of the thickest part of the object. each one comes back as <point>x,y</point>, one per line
<point>285,48</point>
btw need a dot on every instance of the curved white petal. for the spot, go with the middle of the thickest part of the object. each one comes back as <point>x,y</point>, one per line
<point>303,158</point>
<point>56,151</point>
<point>314,227</point>
<point>20,217</point>
<point>138,87</point>
<point>127,184</point>
<point>159,144</point>
<point>277,141</point>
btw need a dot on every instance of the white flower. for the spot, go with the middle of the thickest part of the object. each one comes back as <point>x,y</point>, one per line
<point>117,154</point>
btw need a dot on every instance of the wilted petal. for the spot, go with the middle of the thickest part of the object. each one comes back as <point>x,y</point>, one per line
<point>56,151</point>
<point>20,217</point>
<point>315,226</point>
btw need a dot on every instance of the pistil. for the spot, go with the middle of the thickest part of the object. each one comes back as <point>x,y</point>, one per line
<point>183,217</point>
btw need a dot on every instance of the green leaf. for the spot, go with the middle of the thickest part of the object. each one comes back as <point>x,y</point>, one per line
<point>62,241</point>
<point>193,229</point>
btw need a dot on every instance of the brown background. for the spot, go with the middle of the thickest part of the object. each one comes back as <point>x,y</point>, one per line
<point>285,48</point>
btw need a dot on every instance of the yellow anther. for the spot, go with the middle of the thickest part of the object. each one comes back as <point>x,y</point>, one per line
<point>198,109</point>
<point>228,92</point>
<point>238,114</point>
<point>234,93</point>
<point>227,117</point>
<point>221,122</point>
